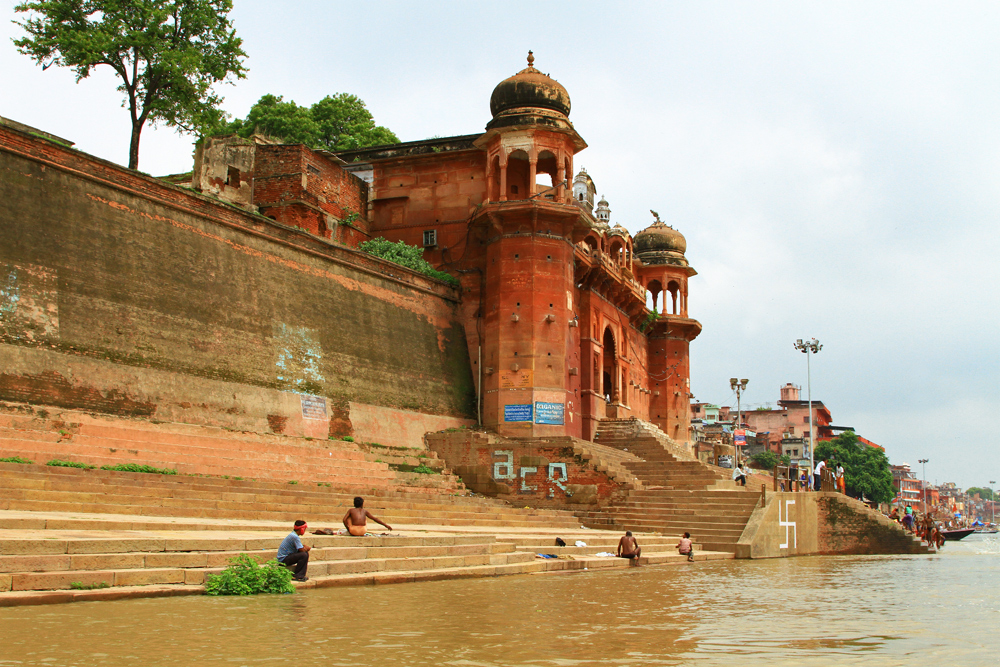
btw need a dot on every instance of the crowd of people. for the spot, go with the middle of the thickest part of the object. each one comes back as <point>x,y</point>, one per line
<point>805,479</point>
<point>926,528</point>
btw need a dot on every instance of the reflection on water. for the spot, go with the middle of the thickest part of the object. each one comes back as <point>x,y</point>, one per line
<point>807,611</point>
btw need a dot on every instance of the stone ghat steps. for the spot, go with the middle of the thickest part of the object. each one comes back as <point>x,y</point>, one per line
<point>649,543</point>
<point>186,565</point>
<point>537,566</point>
<point>14,475</point>
<point>614,432</point>
<point>129,493</point>
<point>43,487</point>
<point>200,460</point>
<point>214,451</point>
<point>402,457</point>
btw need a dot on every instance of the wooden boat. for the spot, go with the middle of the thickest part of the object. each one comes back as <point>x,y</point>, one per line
<point>957,534</point>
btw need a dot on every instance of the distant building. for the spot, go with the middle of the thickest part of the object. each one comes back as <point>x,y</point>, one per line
<point>907,484</point>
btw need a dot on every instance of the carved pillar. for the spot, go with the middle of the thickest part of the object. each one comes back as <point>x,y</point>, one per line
<point>503,176</point>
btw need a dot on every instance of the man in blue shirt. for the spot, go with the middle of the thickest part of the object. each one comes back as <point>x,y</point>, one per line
<point>291,551</point>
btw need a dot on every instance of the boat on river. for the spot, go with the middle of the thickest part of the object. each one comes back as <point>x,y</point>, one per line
<point>957,534</point>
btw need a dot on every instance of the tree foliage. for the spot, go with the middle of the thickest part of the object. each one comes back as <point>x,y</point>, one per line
<point>168,54</point>
<point>338,122</point>
<point>984,493</point>
<point>409,256</point>
<point>766,460</point>
<point>866,469</point>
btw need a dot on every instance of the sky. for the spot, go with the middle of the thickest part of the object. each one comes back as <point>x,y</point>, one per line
<point>835,168</point>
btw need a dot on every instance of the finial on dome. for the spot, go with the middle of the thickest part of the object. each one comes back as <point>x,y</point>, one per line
<point>531,59</point>
<point>656,217</point>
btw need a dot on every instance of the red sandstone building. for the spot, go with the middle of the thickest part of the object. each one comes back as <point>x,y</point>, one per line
<point>554,297</point>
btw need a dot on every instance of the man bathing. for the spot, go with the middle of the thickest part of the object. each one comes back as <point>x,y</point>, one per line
<point>357,517</point>
<point>629,548</point>
<point>686,547</point>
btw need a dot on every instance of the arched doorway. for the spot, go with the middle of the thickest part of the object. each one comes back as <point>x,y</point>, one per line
<point>609,375</point>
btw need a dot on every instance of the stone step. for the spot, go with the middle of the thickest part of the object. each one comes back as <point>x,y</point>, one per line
<point>87,451</point>
<point>70,479</point>
<point>175,558</point>
<point>466,519</point>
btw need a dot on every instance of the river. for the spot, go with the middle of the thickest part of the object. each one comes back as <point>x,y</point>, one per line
<point>872,610</point>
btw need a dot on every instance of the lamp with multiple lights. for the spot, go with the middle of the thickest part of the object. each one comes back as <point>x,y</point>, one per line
<point>739,386</point>
<point>809,348</point>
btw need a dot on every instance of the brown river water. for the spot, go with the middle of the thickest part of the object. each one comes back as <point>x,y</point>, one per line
<point>884,610</point>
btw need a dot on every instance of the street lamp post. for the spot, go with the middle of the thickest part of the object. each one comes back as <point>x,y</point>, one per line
<point>809,348</point>
<point>923,483</point>
<point>739,386</point>
<point>993,503</point>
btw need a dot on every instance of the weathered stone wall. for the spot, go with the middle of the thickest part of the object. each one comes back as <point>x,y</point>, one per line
<point>807,523</point>
<point>125,295</point>
<point>539,472</point>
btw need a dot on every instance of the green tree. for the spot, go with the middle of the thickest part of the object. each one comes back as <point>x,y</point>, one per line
<point>866,469</point>
<point>168,54</point>
<point>273,116</point>
<point>766,460</point>
<point>337,123</point>
<point>984,493</point>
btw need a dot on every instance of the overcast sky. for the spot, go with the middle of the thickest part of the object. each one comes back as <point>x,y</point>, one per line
<point>835,168</point>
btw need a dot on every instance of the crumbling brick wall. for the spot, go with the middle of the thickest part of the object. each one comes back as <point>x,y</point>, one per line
<point>300,187</point>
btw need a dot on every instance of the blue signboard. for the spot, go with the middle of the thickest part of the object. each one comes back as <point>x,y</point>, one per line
<point>549,413</point>
<point>517,413</point>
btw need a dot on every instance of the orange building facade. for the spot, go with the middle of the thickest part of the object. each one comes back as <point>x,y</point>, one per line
<point>554,296</point>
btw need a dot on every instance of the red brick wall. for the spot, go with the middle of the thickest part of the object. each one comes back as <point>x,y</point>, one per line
<point>299,187</point>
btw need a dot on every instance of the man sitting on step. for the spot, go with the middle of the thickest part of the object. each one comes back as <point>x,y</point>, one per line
<point>357,517</point>
<point>629,548</point>
<point>291,552</point>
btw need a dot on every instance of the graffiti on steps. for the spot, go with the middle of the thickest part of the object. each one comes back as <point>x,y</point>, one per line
<point>504,469</point>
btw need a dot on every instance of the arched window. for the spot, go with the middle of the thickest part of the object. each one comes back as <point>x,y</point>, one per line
<point>654,288</point>
<point>674,290</point>
<point>545,176</point>
<point>608,389</point>
<point>617,251</point>
<point>517,176</point>
<point>495,179</point>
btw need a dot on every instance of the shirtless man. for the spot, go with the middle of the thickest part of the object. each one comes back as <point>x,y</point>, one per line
<point>357,517</point>
<point>686,547</point>
<point>629,548</point>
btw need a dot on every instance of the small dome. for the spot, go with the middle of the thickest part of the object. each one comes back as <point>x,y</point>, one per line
<point>660,244</point>
<point>529,97</point>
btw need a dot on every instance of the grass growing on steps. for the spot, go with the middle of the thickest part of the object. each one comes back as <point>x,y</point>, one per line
<point>15,459</point>
<point>80,586</point>
<point>136,467</point>
<point>245,577</point>
<point>57,463</point>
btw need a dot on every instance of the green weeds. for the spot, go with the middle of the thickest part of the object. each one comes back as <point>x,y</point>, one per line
<point>80,586</point>
<point>137,467</point>
<point>15,459</point>
<point>245,577</point>
<point>57,463</point>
